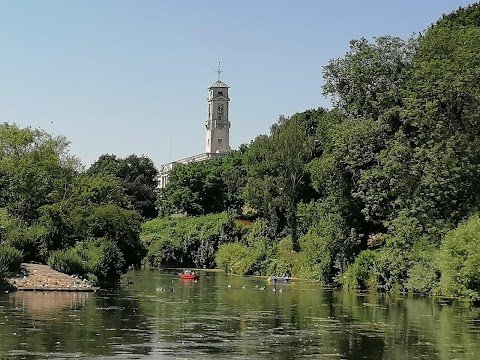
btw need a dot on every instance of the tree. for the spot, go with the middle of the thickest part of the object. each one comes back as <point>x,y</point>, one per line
<point>277,178</point>
<point>36,170</point>
<point>138,177</point>
<point>196,188</point>
<point>113,223</point>
<point>368,80</point>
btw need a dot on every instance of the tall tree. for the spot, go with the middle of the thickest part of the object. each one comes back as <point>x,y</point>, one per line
<point>35,169</point>
<point>138,176</point>
<point>277,178</point>
<point>368,80</point>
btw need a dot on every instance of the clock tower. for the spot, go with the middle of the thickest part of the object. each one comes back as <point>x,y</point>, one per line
<point>218,123</point>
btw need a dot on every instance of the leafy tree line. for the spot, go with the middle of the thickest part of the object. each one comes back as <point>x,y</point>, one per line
<point>52,211</point>
<point>380,191</point>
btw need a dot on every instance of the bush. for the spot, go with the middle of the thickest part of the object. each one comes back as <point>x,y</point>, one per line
<point>98,259</point>
<point>67,262</point>
<point>27,239</point>
<point>283,262</point>
<point>319,256</point>
<point>114,223</point>
<point>233,258</point>
<point>360,275</point>
<point>242,260</point>
<point>10,259</point>
<point>188,241</point>
<point>403,248</point>
<point>423,278</point>
<point>101,257</point>
<point>460,260</point>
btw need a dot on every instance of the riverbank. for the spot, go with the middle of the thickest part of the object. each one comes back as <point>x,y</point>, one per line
<point>37,277</point>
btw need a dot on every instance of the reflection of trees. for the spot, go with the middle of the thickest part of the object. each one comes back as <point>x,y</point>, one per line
<point>75,323</point>
<point>301,320</point>
<point>419,327</point>
<point>210,319</point>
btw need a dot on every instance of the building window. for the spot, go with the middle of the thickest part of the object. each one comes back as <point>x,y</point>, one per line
<point>219,117</point>
<point>220,93</point>
<point>219,141</point>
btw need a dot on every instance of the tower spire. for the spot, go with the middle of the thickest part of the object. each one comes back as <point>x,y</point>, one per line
<point>219,71</point>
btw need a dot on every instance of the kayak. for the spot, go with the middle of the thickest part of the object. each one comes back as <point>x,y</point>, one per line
<point>189,276</point>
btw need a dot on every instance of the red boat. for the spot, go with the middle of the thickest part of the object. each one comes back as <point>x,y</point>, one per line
<point>189,276</point>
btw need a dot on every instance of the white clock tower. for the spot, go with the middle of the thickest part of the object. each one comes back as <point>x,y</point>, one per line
<point>218,123</point>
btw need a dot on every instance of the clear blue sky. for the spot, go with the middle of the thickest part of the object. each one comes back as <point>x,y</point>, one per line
<point>123,77</point>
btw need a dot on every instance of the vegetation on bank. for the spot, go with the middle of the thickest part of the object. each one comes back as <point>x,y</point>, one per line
<point>382,191</point>
<point>53,211</point>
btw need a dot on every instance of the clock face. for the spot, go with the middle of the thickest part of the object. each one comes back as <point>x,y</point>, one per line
<point>220,109</point>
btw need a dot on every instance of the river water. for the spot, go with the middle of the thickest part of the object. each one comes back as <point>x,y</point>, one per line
<point>159,316</point>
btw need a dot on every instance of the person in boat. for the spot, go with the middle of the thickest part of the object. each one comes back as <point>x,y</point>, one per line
<point>285,277</point>
<point>273,279</point>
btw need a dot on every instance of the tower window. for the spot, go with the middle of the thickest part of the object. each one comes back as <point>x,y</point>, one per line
<point>220,93</point>
<point>219,141</point>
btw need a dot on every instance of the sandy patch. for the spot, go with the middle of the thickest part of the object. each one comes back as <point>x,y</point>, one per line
<point>43,277</point>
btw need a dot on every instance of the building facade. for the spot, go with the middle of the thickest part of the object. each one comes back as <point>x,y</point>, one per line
<point>217,141</point>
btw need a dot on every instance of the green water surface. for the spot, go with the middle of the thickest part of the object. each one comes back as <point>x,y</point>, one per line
<point>159,316</point>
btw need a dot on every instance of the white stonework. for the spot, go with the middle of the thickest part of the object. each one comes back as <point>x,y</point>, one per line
<point>217,143</point>
<point>218,123</point>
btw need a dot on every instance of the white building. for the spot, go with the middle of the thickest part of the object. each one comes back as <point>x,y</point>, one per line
<point>217,142</point>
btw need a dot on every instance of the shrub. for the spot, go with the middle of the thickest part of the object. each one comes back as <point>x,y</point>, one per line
<point>101,257</point>
<point>319,256</point>
<point>114,223</point>
<point>10,259</point>
<point>423,278</point>
<point>402,250</point>
<point>27,239</point>
<point>460,260</point>
<point>283,262</point>
<point>188,241</point>
<point>360,275</point>
<point>67,261</point>
<point>234,258</point>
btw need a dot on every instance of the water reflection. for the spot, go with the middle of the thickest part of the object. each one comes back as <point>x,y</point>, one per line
<point>47,305</point>
<point>63,324</point>
<point>160,316</point>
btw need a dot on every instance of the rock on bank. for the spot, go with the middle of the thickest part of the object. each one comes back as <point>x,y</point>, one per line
<point>37,277</point>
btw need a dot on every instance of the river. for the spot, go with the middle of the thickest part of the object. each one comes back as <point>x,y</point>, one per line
<point>155,315</point>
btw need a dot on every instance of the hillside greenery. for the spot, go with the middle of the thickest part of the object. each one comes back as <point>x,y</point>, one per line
<point>381,191</point>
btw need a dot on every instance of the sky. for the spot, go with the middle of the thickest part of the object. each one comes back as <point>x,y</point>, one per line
<point>131,77</point>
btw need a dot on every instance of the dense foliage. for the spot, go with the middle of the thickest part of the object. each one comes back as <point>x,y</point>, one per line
<point>191,241</point>
<point>52,211</point>
<point>369,193</point>
<point>10,260</point>
<point>137,176</point>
